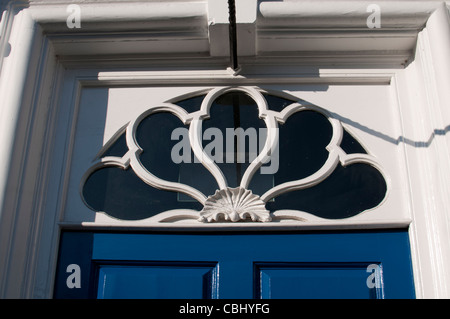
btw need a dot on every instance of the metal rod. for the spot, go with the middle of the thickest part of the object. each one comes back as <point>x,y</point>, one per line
<point>237,124</point>
<point>233,34</point>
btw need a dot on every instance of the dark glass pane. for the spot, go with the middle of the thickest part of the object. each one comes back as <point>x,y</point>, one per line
<point>154,137</point>
<point>277,103</point>
<point>302,141</point>
<point>121,194</point>
<point>233,113</point>
<point>350,145</point>
<point>119,148</point>
<point>192,104</point>
<point>345,193</point>
<point>198,177</point>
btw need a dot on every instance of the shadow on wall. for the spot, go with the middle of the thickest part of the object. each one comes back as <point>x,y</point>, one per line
<point>390,139</point>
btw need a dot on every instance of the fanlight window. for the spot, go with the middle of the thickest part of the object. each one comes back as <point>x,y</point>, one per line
<point>234,154</point>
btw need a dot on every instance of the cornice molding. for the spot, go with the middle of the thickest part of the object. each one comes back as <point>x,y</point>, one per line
<point>339,15</point>
<point>325,29</point>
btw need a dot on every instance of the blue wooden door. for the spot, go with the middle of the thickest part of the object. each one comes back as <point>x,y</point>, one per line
<point>236,265</point>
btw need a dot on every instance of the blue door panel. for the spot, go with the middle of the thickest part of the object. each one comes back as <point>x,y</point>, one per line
<point>238,265</point>
<point>324,281</point>
<point>161,280</point>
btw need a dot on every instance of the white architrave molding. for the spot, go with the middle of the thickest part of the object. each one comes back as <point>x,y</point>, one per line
<point>28,117</point>
<point>427,160</point>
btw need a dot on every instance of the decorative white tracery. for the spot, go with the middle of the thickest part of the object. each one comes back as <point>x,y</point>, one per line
<point>231,204</point>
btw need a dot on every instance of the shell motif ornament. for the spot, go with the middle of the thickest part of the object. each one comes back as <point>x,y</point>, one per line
<point>234,204</point>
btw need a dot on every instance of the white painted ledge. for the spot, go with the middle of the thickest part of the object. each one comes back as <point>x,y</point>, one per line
<point>344,14</point>
<point>123,16</point>
<point>318,28</point>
